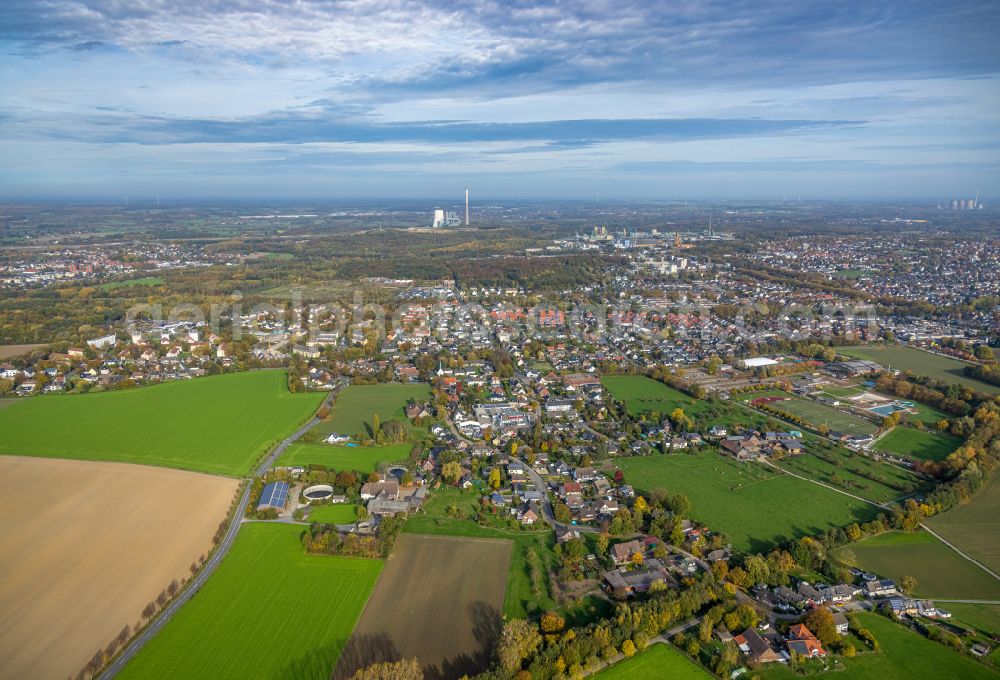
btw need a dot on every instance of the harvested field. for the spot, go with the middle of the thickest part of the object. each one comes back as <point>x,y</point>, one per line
<point>8,351</point>
<point>449,624</point>
<point>85,546</point>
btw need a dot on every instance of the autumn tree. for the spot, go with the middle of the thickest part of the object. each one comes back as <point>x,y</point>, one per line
<point>518,640</point>
<point>820,622</point>
<point>495,478</point>
<point>908,584</point>
<point>407,669</point>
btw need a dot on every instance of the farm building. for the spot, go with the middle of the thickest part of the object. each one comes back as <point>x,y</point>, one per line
<point>274,496</point>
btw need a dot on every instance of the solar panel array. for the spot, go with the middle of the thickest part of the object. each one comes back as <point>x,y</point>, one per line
<point>274,495</point>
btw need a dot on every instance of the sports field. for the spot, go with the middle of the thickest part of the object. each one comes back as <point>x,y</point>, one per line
<point>270,611</point>
<point>360,458</point>
<point>653,663</point>
<point>356,404</point>
<point>84,546</point>
<point>335,513</point>
<point>924,445</point>
<point>821,414</point>
<point>939,570</point>
<point>640,394</point>
<point>935,366</point>
<point>755,506</point>
<point>974,526</point>
<point>450,624</point>
<point>904,655</point>
<point>219,424</point>
<point>147,281</point>
<point>449,512</point>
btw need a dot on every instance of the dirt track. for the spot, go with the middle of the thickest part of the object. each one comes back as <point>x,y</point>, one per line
<point>84,546</point>
<point>438,599</point>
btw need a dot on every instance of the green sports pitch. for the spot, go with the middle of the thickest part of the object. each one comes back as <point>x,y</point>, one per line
<point>270,611</point>
<point>219,424</point>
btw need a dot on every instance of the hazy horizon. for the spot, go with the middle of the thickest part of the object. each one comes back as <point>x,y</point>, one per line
<point>632,101</point>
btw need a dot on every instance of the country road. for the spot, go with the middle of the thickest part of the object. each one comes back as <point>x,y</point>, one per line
<point>194,585</point>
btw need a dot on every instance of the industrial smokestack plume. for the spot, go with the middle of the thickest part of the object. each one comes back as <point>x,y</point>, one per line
<point>466,207</point>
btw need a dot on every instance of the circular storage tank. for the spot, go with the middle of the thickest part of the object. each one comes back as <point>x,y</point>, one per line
<point>318,492</point>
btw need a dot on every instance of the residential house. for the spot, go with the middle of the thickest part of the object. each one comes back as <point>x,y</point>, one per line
<point>802,641</point>
<point>756,648</point>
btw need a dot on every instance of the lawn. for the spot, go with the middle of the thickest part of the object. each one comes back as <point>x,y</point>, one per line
<point>905,655</point>
<point>973,526</point>
<point>653,663</point>
<point>939,570</point>
<point>449,512</point>
<point>356,404</point>
<point>270,611</point>
<point>755,506</point>
<point>640,394</point>
<point>335,513</point>
<point>925,445</point>
<point>935,366</point>
<point>145,281</point>
<point>360,458</point>
<point>219,424</point>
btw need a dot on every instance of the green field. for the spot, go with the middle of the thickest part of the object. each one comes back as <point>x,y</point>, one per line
<point>905,655</point>
<point>640,394</point>
<point>145,281</point>
<point>4,403</point>
<point>854,473</point>
<point>653,663</point>
<point>974,526</point>
<point>939,570</point>
<point>356,404</point>
<point>360,458</point>
<point>338,513</point>
<point>270,611</point>
<point>755,506</point>
<point>984,617</point>
<point>935,366</point>
<point>528,590</point>
<point>925,445</point>
<point>219,424</point>
<point>821,414</point>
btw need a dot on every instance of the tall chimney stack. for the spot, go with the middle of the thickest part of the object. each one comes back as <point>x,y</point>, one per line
<point>466,207</point>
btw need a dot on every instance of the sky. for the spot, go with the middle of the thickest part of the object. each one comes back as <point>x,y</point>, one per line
<point>640,100</point>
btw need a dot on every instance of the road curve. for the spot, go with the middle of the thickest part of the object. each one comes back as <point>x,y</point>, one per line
<point>194,585</point>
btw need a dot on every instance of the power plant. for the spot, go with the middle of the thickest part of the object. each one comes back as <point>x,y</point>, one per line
<point>447,218</point>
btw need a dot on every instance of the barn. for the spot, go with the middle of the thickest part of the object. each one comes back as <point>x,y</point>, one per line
<point>274,496</point>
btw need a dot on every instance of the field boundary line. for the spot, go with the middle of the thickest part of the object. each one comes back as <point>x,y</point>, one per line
<point>955,548</point>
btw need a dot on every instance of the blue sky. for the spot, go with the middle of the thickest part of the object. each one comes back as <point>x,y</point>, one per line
<point>632,100</point>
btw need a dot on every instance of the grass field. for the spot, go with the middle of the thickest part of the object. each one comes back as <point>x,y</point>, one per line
<point>144,281</point>
<point>821,414</point>
<point>4,403</point>
<point>905,655</point>
<point>935,366</point>
<point>653,663</point>
<point>360,458</point>
<point>84,546</point>
<point>270,611</point>
<point>974,526</point>
<point>356,404</point>
<point>853,473</point>
<point>335,513</point>
<point>755,506</point>
<point>939,570</point>
<point>449,623</point>
<point>220,424</point>
<point>641,394</point>
<point>925,445</point>
<point>528,590</point>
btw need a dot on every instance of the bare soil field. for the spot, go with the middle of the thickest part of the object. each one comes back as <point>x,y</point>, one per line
<point>438,599</point>
<point>84,546</point>
<point>8,351</point>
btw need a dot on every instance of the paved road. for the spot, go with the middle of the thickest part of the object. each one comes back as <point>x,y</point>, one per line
<point>547,513</point>
<point>213,562</point>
